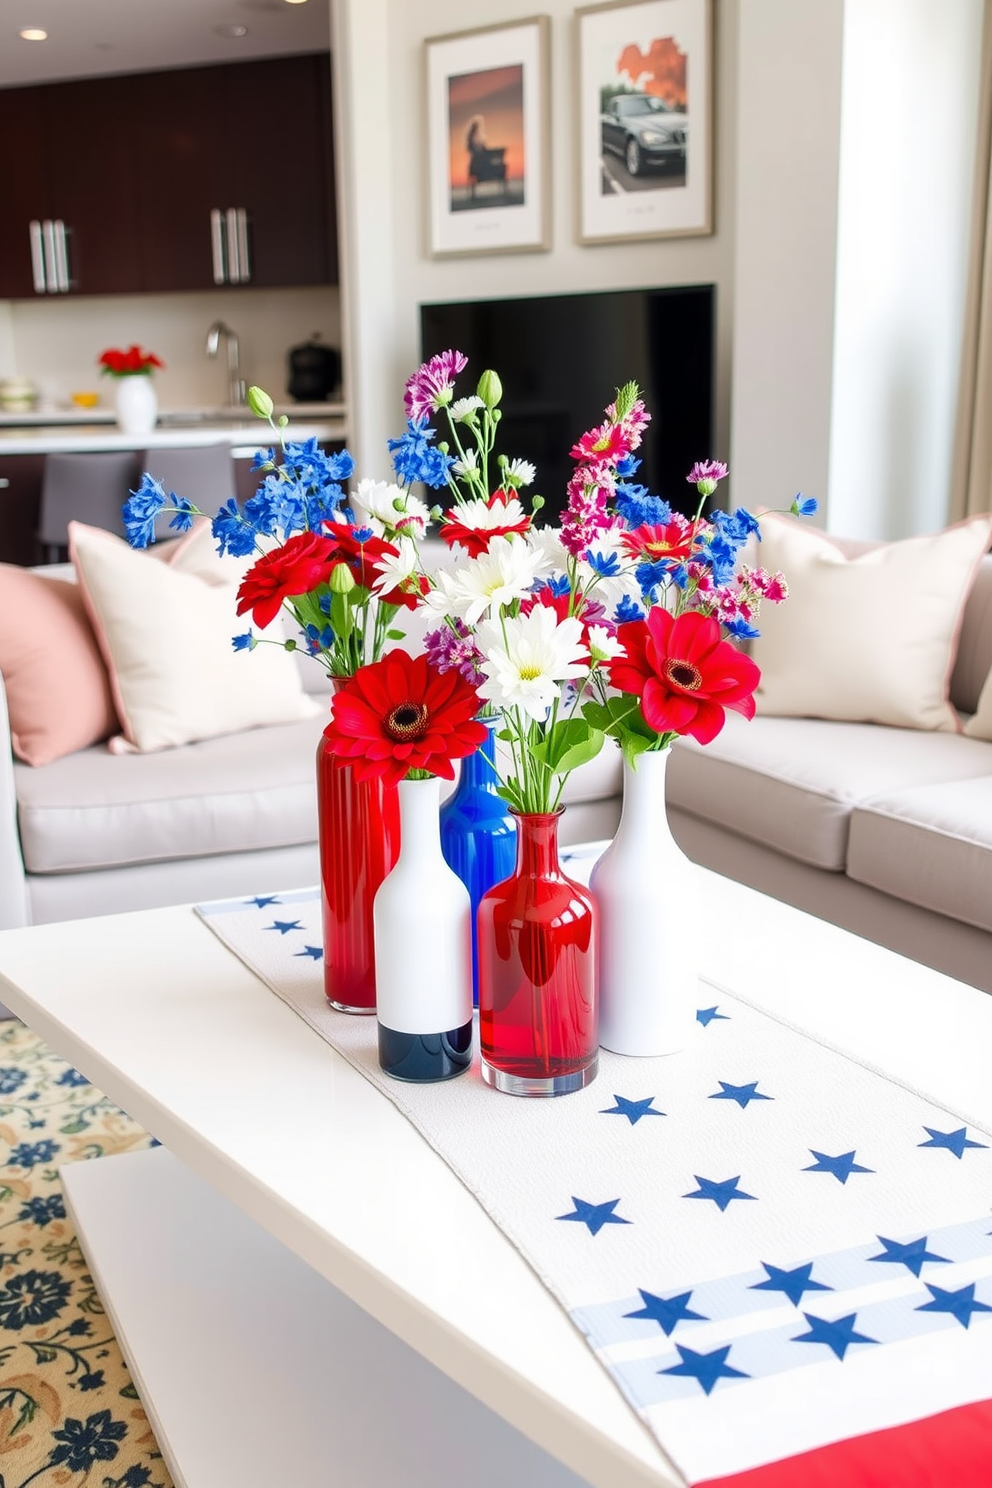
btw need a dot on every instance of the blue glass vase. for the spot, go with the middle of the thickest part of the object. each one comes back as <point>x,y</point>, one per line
<point>478,833</point>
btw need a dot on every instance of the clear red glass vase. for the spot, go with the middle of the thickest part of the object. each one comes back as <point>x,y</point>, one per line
<point>538,1005</point>
<point>359,836</point>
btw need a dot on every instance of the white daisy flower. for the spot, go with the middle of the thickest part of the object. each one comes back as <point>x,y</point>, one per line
<point>603,645</point>
<point>520,473</point>
<point>468,465</point>
<point>390,505</point>
<point>393,569</point>
<point>527,656</point>
<point>607,566</point>
<point>507,571</point>
<point>463,408</point>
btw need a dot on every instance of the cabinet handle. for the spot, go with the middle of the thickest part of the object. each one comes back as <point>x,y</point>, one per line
<point>217,246</point>
<point>4,483</point>
<point>37,257</point>
<point>48,241</point>
<point>243,245</point>
<point>233,261</point>
<point>61,257</point>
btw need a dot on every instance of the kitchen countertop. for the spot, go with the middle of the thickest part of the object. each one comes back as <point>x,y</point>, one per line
<point>96,429</point>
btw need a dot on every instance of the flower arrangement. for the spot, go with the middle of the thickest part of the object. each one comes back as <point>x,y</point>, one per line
<point>131,363</point>
<point>626,621</point>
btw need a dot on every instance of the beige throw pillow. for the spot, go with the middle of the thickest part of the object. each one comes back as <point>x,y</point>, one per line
<point>869,638</point>
<point>165,633</point>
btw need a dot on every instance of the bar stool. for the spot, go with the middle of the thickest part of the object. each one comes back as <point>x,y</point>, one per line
<point>204,474</point>
<point>88,488</point>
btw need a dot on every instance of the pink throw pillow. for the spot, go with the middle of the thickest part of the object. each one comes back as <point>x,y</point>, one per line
<point>58,691</point>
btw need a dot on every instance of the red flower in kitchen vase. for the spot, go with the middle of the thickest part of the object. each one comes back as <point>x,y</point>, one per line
<point>538,1005</point>
<point>359,835</point>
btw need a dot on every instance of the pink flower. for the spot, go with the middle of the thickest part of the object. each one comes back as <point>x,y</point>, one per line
<point>432,384</point>
<point>708,472</point>
<point>609,442</point>
<point>633,424</point>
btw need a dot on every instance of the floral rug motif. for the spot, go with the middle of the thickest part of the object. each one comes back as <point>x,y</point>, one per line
<point>69,1412</point>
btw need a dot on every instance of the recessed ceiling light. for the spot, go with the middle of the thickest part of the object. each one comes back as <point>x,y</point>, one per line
<point>296,2</point>
<point>233,31</point>
<point>33,33</point>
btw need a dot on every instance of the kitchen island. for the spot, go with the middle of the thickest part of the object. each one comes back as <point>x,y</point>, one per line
<point>26,439</point>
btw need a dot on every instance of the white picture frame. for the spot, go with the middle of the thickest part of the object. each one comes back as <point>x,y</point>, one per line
<point>644,119</point>
<point>487,109</point>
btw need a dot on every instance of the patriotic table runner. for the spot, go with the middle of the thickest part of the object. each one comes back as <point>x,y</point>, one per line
<point>782,1257</point>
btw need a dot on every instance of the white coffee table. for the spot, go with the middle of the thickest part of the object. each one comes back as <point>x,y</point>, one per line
<point>252,1367</point>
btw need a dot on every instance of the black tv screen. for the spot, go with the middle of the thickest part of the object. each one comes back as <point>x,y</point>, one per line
<point>561,359</point>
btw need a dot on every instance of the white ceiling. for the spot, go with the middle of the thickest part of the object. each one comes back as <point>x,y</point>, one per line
<point>93,37</point>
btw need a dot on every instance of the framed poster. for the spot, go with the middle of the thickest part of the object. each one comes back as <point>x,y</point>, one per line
<point>644,78</point>
<point>488,139</point>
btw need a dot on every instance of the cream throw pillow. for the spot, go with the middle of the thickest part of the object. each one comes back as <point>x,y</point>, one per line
<point>866,639</point>
<point>165,632</point>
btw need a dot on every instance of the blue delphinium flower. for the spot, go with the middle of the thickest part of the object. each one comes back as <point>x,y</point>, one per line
<point>264,459</point>
<point>803,506</point>
<point>607,565</point>
<point>627,610</point>
<point>323,505</point>
<point>245,642</point>
<point>639,508</point>
<point>626,466</point>
<point>307,462</point>
<point>416,459</point>
<point>742,629</point>
<point>233,533</point>
<point>185,511</point>
<point>141,510</point>
<point>277,507</point>
<point>318,639</point>
<point>555,585</point>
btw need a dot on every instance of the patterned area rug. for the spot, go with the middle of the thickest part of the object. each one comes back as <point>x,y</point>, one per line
<point>69,1413</point>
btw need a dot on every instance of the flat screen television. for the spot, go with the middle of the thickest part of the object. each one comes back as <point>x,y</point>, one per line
<point>561,358</point>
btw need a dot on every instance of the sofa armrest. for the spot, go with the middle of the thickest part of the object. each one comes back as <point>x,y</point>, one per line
<point>13,889</point>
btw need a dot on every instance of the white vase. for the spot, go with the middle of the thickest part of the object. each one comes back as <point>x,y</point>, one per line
<point>137,403</point>
<point>647,893</point>
<point>423,950</point>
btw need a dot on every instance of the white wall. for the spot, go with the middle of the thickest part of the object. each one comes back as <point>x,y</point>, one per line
<point>56,342</point>
<point>909,114</point>
<point>389,272</point>
<point>787,143</point>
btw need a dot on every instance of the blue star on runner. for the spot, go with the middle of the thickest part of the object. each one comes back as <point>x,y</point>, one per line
<point>960,1304</point>
<point>954,1141</point>
<point>911,1253</point>
<point>316,953</point>
<point>742,1094</point>
<point>705,1016</point>
<point>841,1166</point>
<point>284,926</point>
<point>667,1312</point>
<point>838,1335</point>
<point>594,1215</point>
<point>706,1368</point>
<point>722,1193</point>
<point>262,901</point>
<point>793,1283</point>
<point>633,1110</point>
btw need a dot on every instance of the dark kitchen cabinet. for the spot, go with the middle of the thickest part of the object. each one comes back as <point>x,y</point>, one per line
<point>20,508</point>
<point>177,180</point>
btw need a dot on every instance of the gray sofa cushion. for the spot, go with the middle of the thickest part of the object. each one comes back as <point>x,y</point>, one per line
<point>236,793</point>
<point>790,783</point>
<point>931,846</point>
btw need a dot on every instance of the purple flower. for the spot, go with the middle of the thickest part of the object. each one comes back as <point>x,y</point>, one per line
<point>432,384</point>
<point>453,648</point>
<point>707,470</point>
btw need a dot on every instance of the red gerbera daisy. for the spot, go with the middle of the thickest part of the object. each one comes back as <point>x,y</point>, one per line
<point>358,548</point>
<point>685,675</point>
<point>401,714</point>
<point>302,563</point>
<point>672,540</point>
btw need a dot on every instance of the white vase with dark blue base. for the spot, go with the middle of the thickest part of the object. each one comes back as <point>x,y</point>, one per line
<point>423,950</point>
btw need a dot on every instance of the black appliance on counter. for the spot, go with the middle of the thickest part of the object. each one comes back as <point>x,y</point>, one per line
<point>314,372</point>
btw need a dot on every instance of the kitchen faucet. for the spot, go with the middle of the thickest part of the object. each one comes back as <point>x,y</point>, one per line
<point>236,386</point>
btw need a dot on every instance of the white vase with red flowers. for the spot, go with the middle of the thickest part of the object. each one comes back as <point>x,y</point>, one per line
<point>135,399</point>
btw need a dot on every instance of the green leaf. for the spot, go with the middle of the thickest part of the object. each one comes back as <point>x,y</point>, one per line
<point>570,743</point>
<point>634,745</point>
<point>619,716</point>
<point>395,635</point>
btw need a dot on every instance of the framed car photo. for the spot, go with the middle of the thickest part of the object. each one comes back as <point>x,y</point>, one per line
<point>488,139</point>
<point>644,78</point>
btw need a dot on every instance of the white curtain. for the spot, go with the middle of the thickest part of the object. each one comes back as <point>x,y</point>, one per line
<point>971,484</point>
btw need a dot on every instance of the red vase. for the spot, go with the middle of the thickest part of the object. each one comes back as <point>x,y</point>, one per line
<point>359,834</point>
<point>538,1007</point>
